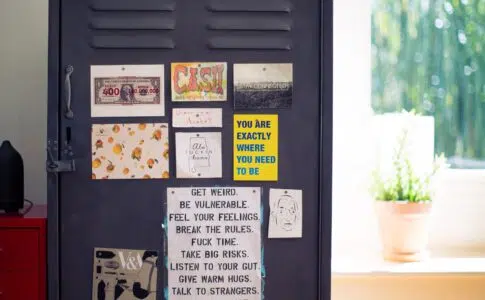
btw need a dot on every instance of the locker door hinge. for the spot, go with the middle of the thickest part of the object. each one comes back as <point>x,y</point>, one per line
<point>59,166</point>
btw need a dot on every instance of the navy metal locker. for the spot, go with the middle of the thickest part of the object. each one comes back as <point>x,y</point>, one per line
<point>84,213</point>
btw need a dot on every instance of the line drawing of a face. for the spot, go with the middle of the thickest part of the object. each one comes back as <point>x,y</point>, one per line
<point>286,212</point>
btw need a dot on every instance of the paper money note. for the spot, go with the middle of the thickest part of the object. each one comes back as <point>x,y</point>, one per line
<point>127,90</point>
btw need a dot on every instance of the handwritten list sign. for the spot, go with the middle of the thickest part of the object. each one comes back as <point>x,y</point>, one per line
<point>214,243</point>
<point>255,147</point>
<point>196,117</point>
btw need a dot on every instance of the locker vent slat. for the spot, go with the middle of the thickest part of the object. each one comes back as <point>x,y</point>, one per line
<point>133,23</point>
<point>256,23</point>
<point>132,5</point>
<point>249,43</point>
<point>132,42</point>
<point>250,24</point>
<point>250,6</point>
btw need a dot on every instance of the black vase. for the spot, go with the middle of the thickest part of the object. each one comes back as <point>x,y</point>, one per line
<point>11,179</point>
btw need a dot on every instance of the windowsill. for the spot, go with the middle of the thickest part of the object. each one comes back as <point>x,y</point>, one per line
<point>465,175</point>
<point>458,246</point>
<point>345,266</point>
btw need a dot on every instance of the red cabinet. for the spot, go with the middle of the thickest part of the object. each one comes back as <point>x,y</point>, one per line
<point>23,255</point>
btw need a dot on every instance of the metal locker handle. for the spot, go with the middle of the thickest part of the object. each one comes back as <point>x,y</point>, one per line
<point>69,114</point>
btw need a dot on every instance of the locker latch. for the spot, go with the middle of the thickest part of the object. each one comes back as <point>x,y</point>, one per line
<point>59,166</point>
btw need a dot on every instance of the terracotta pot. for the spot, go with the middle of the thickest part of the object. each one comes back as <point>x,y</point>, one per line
<point>404,229</point>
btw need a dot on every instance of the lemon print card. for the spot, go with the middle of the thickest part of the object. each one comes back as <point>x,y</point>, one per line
<point>199,81</point>
<point>130,151</point>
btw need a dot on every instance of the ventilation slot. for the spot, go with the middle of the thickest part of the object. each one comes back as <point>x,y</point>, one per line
<point>249,43</point>
<point>132,42</point>
<point>250,6</point>
<point>130,5</point>
<point>250,25</point>
<point>253,23</point>
<point>131,23</point>
<point>127,24</point>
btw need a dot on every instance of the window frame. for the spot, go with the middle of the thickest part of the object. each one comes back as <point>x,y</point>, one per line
<point>353,224</point>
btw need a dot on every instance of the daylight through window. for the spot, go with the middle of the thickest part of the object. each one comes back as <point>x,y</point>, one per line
<point>429,56</point>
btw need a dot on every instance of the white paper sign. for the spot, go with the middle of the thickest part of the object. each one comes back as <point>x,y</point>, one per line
<point>197,117</point>
<point>285,213</point>
<point>214,243</point>
<point>127,91</point>
<point>198,154</point>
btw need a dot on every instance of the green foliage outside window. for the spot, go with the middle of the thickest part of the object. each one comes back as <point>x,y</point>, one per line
<point>430,56</point>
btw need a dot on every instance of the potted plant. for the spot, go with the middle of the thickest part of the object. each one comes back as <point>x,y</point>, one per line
<point>403,205</point>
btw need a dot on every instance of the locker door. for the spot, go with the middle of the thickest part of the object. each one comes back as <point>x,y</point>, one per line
<point>86,213</point>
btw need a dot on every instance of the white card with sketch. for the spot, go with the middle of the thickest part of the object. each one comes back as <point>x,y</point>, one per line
<point>286,216</point>
<point>198,154</point>
<point>127,91</point>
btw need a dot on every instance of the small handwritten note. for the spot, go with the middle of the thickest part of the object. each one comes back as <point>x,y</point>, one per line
<point>196,117</point>
<point>198,154</point>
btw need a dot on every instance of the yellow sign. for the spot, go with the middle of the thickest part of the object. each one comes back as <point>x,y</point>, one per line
<point>256,147</point>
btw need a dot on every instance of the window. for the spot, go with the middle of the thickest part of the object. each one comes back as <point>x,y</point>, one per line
<point>433,64</point>
<point>428,55</point>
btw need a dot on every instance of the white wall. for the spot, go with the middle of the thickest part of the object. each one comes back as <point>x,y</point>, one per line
<point>351,211</point>
<point>23,86</point>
